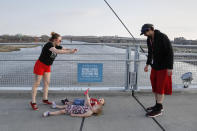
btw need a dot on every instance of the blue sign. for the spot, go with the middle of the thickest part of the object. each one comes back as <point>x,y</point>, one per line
<point>90,72</point>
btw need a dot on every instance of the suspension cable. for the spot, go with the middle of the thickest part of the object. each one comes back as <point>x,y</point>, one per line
<point>123,24</point>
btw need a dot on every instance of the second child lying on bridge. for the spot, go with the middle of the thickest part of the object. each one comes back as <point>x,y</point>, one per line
<point>77,110</point>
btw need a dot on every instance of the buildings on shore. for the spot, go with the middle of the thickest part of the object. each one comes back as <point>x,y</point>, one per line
<point>18,38</point>
<point>183,41</point>
<point>90,39</point>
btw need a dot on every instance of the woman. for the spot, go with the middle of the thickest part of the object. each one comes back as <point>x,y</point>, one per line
<point>42,68</point>
<point>76,110</point>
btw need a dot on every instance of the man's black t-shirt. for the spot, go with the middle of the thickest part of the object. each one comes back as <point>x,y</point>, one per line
<point>47,57</point>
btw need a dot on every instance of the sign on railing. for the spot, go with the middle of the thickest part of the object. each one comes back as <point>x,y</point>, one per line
<point>90,72</point>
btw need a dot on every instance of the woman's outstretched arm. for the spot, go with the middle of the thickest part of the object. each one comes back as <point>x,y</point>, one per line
<point>62,51</point>
<point>63,48</point>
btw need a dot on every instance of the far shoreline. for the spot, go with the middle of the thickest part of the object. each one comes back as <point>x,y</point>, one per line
<point>10,48</point>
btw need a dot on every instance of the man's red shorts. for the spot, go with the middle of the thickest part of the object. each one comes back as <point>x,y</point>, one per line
<point>161,82</point>
<point>40,68</point>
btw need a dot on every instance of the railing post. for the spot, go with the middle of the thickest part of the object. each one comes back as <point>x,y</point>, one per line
<point>128,68</point>
<point>136,65</point>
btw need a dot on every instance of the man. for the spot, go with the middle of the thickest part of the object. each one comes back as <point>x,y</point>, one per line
<point>160,58</point>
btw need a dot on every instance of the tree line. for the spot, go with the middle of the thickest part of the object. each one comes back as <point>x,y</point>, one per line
<point>18,38</point>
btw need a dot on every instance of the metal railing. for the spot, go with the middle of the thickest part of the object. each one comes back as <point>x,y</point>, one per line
<point>122,67</point>
<point>183,63</point>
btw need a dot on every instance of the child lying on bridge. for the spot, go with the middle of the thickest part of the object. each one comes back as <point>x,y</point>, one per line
<point>77,110</point>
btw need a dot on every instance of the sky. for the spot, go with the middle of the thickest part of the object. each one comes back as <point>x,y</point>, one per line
<point>176,18</point>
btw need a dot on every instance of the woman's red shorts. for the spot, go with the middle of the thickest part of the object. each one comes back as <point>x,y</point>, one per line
<point>161,82</point>
<point>40,68</point>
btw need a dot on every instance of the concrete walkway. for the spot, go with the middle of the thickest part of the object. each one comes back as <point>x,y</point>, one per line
<point>180,111</point>
<point>121,113</point>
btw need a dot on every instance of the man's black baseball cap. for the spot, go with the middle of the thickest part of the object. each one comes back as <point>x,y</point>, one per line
<point>146,27</point>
